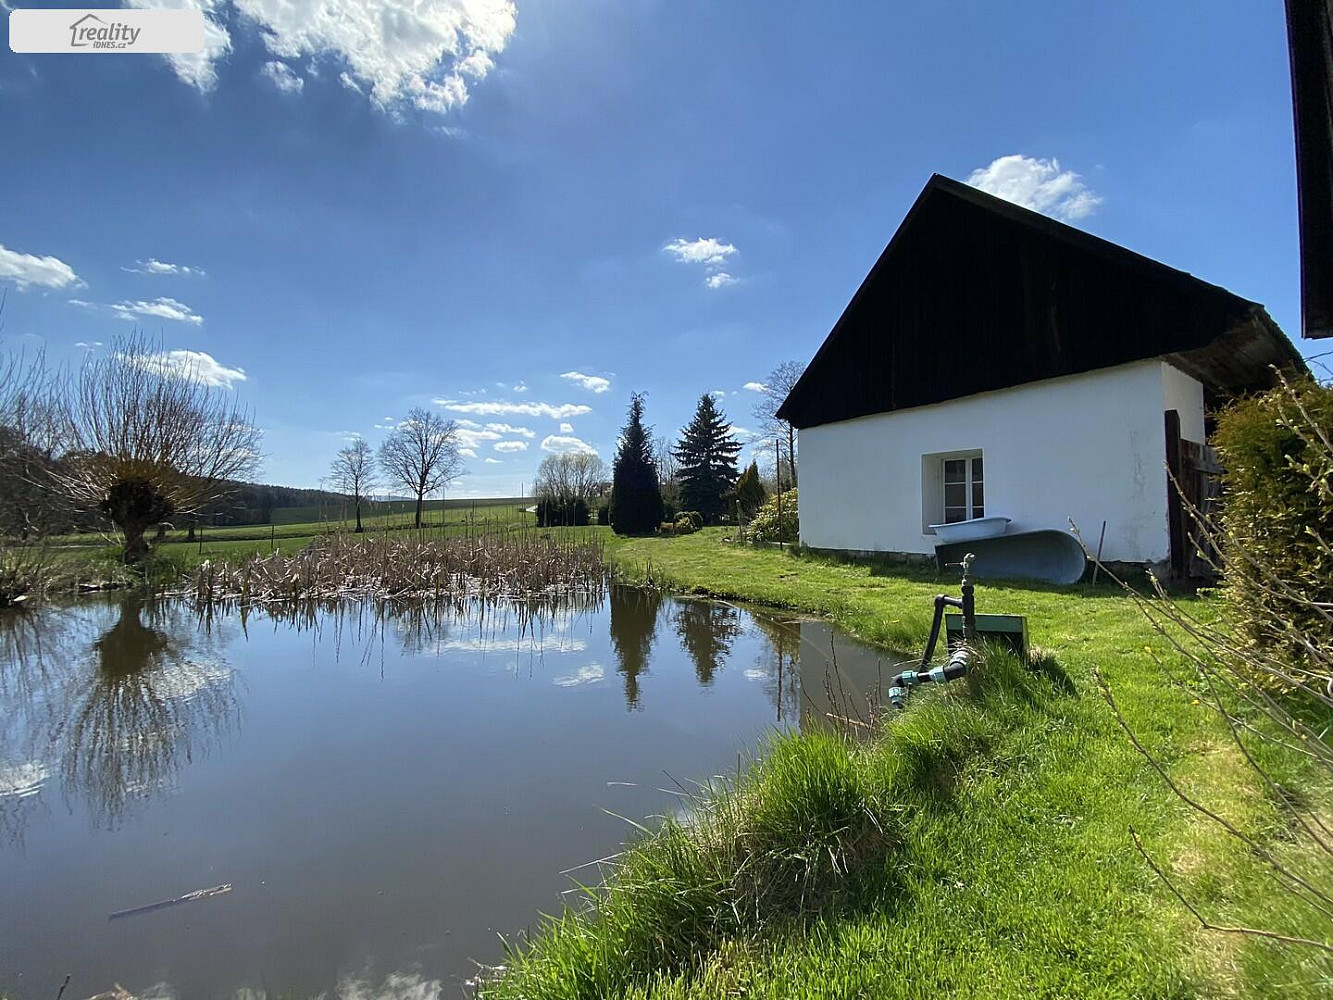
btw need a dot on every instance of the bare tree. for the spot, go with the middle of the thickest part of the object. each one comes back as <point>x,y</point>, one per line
<point>570,480</point>
<point>587,475</point>
<point>668,471</point>
<point>354,471</point>
<point>422,456</point>
<point>779,384</point>
<point>571,477</point>
<point>29,438</point>
<point>29,510</point>
<point>149,438</point>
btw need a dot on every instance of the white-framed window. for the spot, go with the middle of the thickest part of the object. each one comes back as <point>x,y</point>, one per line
<point>953,488</point>
<point>964,489</point>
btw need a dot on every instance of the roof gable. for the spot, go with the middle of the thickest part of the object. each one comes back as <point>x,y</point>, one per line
<point>974,294</point>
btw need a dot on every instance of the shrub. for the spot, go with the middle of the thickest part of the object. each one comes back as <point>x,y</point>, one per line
<point>1278,507</point>
<point>1273,537</point>
<point>693,518</point>
<point>24,570</point>
<point>558,514</point>
<point>767,526</point>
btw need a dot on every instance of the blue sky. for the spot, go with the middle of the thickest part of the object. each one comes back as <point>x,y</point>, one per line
<point>458,203</point>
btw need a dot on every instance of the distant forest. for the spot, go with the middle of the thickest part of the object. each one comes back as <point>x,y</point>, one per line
<point>256,503</point>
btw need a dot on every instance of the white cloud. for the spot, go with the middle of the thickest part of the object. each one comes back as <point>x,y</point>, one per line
<point>1037,184</point>
<point>195,364</point>
<point>417,53</point>
<point>520,387</point>
<point>160,308</point>
<point>469,438</point>
<point>508,429</point>
<point>717,393</point>
<point>510,446</point>
<point>589,674</point>
<point>558,641</point>
<point>492,461</point>
<point>744,433</point>
<point>198,69</point>
<point>467,452</point>
<point>477,65</point>
<point>26,269</point>
<point>88,345</point>
<point>154,266</point>
<point>283,77</point>
<point>566,428</point>
<point>561,444</point>
<point>593,383</point>
<point>560,411</point>
<point>755,386</point>
<point>710,252</point>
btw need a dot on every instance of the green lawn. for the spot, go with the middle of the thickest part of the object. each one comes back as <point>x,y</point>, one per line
<point>1002,864</point>
<point>449,517</point>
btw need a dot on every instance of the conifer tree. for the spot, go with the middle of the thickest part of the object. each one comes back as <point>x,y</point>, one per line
<point>707,454</point>
<point>749,491</point>
<point>636,497</point>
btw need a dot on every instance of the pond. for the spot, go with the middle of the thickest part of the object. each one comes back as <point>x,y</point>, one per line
<point>386,788</point>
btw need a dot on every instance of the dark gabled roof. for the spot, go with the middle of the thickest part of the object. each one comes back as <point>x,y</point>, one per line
<point>1310,33</point>
<point>974,293</point>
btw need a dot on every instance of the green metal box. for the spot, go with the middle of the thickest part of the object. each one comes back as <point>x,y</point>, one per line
<point>1012,630</point>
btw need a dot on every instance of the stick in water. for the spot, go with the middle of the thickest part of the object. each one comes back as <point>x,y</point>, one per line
<point>189,897</point>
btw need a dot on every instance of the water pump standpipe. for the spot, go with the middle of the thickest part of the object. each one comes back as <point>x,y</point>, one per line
<point>960,661</point>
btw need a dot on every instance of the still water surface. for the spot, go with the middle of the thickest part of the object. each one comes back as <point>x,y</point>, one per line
<point>387,791</point>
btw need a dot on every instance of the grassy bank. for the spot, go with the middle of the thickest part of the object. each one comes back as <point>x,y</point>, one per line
<point>978,846</point>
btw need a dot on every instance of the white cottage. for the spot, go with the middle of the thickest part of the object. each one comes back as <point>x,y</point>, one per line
<point>997,362</point>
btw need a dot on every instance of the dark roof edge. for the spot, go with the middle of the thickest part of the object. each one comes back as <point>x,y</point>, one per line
<point>1036,220</point>
<point>1070,234</point>
<point>865,282</point>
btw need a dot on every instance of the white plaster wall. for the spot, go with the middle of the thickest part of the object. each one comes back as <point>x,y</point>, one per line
<point>1090,447</point>
<point>1183,393</point>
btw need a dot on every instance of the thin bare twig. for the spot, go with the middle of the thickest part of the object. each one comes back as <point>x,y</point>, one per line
<point>1207,924</point>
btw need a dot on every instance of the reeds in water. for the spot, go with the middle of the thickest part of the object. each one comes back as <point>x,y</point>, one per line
<point>522,567</point>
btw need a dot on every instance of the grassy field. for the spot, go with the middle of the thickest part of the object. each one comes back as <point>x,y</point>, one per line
<point>977,846</point>
<point>451,516</point>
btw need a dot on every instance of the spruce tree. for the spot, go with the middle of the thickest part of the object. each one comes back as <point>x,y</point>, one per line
<point>707,455</point>
<point>636,498</point>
